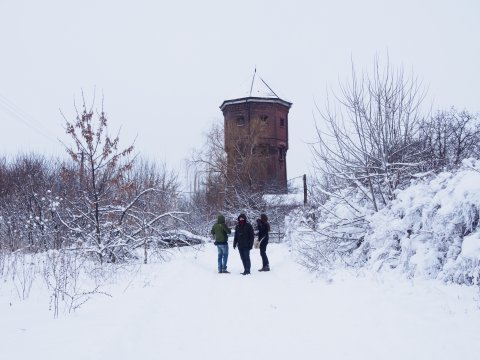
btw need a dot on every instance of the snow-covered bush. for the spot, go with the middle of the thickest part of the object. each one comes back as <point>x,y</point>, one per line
<point>68,276</point>
<point>429,230</point>
<point>326,235</point>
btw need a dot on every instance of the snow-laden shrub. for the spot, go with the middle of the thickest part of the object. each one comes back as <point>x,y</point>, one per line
<point>325,236</point>
<point>431,228</point>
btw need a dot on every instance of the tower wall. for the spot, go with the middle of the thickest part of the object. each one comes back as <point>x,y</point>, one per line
<point>259,128</point>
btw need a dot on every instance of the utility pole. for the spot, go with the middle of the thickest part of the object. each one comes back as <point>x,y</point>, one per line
<point>304,189</point>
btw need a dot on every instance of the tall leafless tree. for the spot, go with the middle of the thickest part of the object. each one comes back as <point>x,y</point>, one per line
<point>368,139</point>
<point>232,177</point>
<point>367,147</point>
<point>448,137</point>
<point>100,168</point>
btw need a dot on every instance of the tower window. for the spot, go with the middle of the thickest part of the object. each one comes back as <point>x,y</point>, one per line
<point>263,119</point>
<point>282,122</point>
<point>281,154</point>
<point>264,150</point>
<point>240,121</point>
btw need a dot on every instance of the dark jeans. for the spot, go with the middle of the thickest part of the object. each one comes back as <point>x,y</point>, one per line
<point>263,253</point>
<point>245,256</point>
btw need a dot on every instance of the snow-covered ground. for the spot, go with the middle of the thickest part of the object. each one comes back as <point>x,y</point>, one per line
<point>183,309</point>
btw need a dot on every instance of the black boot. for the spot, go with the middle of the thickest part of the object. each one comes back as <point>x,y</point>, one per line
<point>265,268</point>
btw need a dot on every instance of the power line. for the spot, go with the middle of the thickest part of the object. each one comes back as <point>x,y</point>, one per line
<point>25,118</point>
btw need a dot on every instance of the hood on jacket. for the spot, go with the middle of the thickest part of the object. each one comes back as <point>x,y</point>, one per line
<point>221,219</point>
<point>242,216</point>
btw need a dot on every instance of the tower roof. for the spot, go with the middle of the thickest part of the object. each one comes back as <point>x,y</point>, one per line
<point>259,88</point>
<point>257,91</point>
<point>255,100</point>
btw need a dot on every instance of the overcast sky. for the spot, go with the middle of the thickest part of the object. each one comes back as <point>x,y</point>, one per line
<point>165,67</point>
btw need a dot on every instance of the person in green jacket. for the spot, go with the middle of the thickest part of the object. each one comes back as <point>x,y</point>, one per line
<point>220,233</point>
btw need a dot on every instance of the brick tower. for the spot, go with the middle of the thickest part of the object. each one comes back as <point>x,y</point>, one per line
<point>256,139</point>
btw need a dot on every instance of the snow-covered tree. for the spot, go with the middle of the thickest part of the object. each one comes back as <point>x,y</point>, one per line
<point>115,207</point>
<point>448,137</point>
<point>230,178</point>
<point>27,206</point>
<point>100,166</point>
<point>368,138</point>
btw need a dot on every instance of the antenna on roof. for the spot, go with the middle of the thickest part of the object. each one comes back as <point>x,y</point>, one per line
<point>253,79</point>
<point>269,88</point>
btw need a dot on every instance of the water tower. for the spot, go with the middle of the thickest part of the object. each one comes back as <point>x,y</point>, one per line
<point>256,138</point>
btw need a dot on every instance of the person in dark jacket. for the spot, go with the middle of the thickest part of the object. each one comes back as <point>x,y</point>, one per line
<point>220,233</point>
<point>263,228</point>
<point>244,240</point>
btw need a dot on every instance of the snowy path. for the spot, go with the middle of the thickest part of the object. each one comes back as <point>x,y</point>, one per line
<point>183,309</point>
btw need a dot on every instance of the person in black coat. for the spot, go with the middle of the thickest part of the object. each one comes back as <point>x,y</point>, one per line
<point>263,228</point>
<point>244,240</point>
